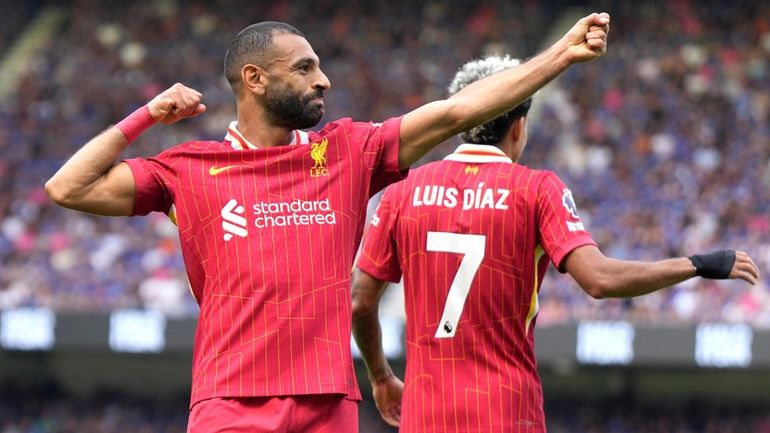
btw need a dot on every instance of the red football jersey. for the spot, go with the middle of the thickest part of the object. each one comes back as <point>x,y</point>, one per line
<point>268,238</point>
<point>472,235</point>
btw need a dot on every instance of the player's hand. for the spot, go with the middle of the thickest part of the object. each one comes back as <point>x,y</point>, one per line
<point>744,268</point>
<point>387,395</point>
<point>587,39</point>
<point>176,103</point>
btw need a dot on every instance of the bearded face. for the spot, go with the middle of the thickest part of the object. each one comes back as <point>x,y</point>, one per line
<point>291,109</point>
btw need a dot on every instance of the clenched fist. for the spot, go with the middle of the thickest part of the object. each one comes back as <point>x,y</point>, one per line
<point>176,103</point>
<point>587,39</point>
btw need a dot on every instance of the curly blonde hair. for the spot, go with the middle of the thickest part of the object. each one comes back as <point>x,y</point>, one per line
<point>493,131</point>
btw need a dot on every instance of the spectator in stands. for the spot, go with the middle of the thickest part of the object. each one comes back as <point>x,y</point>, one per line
<point>681,105</point>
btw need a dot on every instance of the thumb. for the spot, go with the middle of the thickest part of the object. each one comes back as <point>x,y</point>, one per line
<point>601,19</point>
<point>588,20</point>
<point>595,19</point>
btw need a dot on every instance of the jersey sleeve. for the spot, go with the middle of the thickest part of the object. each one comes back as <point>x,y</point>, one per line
<point>380,143</point>
<point>379,255</point>
<point>560,229</point>
<point>153,178</point>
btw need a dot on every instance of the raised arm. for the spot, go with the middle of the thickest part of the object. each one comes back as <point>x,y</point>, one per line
<point>91,182</point>
<point>604,277</point>
<point>386,387</point>
<point>486,99</point>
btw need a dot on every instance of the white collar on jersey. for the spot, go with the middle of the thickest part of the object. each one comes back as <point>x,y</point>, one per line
<point>479,153</point>
<point>239,142</point>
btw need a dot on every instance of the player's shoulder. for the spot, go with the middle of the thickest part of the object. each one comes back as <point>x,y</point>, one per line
<point>533,174</point>
<point>194,151</point>
<point>341,123</point>
<point>195,147</point>
<point>330,128</point>
<point>547,182</point>
<point>348,126</point>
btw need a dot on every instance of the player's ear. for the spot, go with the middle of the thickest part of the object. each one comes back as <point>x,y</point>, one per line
<point>254,78</point>
<point>518,128</point>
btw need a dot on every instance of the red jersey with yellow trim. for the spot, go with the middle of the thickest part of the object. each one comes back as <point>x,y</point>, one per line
<point>268,237</point>
<point>472,235</point>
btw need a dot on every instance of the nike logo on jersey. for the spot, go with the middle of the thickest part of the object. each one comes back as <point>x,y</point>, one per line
<point>214,170</point>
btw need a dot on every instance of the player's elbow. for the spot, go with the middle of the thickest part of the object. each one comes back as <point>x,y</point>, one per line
<point>598,286</point>
<point>366,291</point>
<point>58,192</point>
<point>361,307</point>
<point>596,290</point>
<point>595,273</point>
<point>66,194</point>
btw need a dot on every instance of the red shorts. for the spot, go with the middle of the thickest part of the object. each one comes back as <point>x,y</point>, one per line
<point>326,413</point>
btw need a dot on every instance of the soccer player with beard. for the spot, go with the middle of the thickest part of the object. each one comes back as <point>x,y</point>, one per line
<point>473,235</point>
<point>270,218</point>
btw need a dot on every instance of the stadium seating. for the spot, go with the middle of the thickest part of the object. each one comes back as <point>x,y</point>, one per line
<point>664,143</point>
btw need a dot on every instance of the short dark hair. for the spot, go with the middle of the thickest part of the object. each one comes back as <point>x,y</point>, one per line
<point>252,45</point>
<point>493,131</point>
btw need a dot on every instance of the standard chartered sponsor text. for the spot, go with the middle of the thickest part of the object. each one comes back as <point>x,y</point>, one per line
<point>295,212</point>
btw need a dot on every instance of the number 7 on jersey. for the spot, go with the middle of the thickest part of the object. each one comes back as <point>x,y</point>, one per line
<point>472,248</point>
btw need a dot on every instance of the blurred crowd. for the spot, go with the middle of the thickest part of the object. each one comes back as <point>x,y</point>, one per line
<point>617,417</point>
<point>15,17</point>
<point>48,411</point>
<point>665,142</point>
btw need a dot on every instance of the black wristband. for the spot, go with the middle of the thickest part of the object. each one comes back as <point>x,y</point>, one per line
<point>716,265</point>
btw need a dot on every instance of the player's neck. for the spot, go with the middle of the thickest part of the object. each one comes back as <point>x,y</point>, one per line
<point>261,133</point>
<point>511,148</point>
